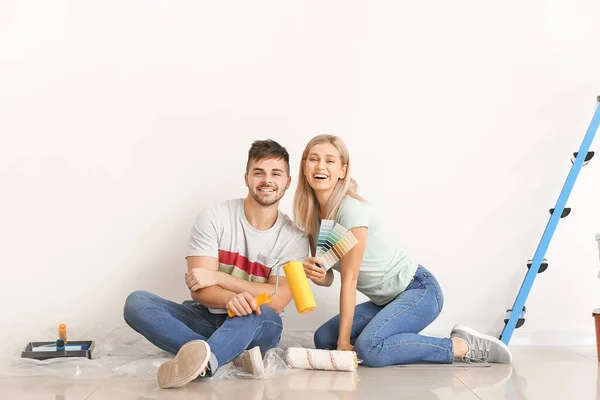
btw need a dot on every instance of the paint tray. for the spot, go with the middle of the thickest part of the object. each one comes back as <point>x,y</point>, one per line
<point>38,351</point>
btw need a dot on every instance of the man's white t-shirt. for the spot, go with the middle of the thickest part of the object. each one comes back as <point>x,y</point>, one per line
<point>222,231</point>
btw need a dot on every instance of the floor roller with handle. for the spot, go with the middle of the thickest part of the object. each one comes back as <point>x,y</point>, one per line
<point>298,282</point>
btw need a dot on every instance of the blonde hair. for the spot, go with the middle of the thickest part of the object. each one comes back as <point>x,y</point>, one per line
<point>306,206</point>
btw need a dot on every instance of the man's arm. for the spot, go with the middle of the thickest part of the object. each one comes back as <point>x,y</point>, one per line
<point>203,256</point>
<point>211,296</point>
<point>215,289</point>
<point>204,274</point>
<point>237,285</point>
<point>299,252</point>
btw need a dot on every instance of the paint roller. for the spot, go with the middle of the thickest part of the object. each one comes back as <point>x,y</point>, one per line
<point>330,360</point>
<point>298,282</point>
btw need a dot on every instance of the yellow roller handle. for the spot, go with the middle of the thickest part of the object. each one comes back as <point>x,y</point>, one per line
<point>260,300</point>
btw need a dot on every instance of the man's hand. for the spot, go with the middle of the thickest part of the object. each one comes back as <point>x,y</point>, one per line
<point>243,304</point>
<point>200,278</point>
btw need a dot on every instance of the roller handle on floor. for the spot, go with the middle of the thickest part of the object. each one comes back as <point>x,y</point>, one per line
<point>260,300</point>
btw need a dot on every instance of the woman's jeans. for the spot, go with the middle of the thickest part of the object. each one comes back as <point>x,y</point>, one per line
<point>169,326</point>
<point>389,335</point>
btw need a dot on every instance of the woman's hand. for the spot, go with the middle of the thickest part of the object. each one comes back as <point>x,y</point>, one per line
<point>315,273</point>
<point>346,346</point>
<point>312,270</point>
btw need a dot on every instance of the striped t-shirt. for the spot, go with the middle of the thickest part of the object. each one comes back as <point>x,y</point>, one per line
<point>222,231</point>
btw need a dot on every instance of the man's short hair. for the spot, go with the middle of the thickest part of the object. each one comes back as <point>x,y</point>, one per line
<point>265,149</point>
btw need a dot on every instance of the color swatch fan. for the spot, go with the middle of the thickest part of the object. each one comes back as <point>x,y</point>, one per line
<point>326,228</point>
<point>333,243</point>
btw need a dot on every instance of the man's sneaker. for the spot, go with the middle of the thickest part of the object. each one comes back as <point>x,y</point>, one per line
<point>251,361</point>
<point>189,363</point>
<point>482,348</point>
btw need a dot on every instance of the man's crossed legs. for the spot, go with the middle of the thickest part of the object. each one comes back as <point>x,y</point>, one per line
<point>201,341</point>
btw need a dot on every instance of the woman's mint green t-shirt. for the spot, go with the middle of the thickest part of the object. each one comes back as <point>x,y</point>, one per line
<point>385,270</point>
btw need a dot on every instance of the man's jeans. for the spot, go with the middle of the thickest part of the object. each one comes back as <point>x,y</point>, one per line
<point>389,335</point>
<point>169,326</point>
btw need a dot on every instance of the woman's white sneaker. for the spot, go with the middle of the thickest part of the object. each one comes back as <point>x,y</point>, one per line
<point>482,348</point>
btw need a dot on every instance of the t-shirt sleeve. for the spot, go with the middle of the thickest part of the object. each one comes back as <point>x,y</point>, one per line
<point>353,213</point>
<point>204,237</point>
<point>299,252</point>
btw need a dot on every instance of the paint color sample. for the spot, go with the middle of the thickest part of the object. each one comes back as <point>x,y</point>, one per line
<point>336,234</point>
<point>339,250</point>
<point>326,227</point>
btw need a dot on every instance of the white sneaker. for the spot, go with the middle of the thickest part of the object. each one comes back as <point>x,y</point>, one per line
<point>482,348</point>
<point>189,363</point>
<point>251,361</point>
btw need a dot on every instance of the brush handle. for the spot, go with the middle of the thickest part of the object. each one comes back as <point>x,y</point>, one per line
<point>62,332</point>
<point>260,300</point>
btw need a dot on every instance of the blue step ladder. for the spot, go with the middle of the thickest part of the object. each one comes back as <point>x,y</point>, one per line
<point>539,264</point>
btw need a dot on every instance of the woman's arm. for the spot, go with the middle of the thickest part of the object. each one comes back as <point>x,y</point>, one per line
<point>350,267</point>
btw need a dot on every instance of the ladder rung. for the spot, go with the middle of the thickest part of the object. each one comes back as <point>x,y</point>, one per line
<point>543,265</point>
<point>588,157</point>
<point>565,213</point>
<point>521,319</point>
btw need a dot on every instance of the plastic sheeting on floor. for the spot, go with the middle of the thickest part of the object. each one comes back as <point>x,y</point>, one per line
<point>122,352</point>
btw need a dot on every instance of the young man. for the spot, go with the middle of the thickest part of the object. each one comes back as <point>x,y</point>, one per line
<point>234,253</point>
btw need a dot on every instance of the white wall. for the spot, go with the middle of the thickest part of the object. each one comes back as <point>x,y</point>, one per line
<point>120,120</point>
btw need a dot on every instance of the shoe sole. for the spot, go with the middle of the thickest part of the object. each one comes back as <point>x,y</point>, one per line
<point>169,373</point>
<point>473,332</point>
<point>253,362</point>
<point>257,362</point>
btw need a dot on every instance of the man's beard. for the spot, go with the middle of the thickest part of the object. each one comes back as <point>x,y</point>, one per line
<point>264,203</point>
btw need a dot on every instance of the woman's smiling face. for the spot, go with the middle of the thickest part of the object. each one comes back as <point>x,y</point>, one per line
<point>323,167</point>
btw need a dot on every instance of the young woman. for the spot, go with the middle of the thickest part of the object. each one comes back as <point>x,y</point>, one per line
<point>404,296</point>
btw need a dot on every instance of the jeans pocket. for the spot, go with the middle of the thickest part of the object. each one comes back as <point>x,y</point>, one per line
<point>437,289</point>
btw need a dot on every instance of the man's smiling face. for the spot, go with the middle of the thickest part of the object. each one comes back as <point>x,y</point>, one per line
<point>267,180</point>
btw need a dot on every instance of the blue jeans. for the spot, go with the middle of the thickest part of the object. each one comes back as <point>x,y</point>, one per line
<point>169,326</point>
<point>389,335</point>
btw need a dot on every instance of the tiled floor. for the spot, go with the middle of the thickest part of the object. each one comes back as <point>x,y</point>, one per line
<point>536,373</point>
